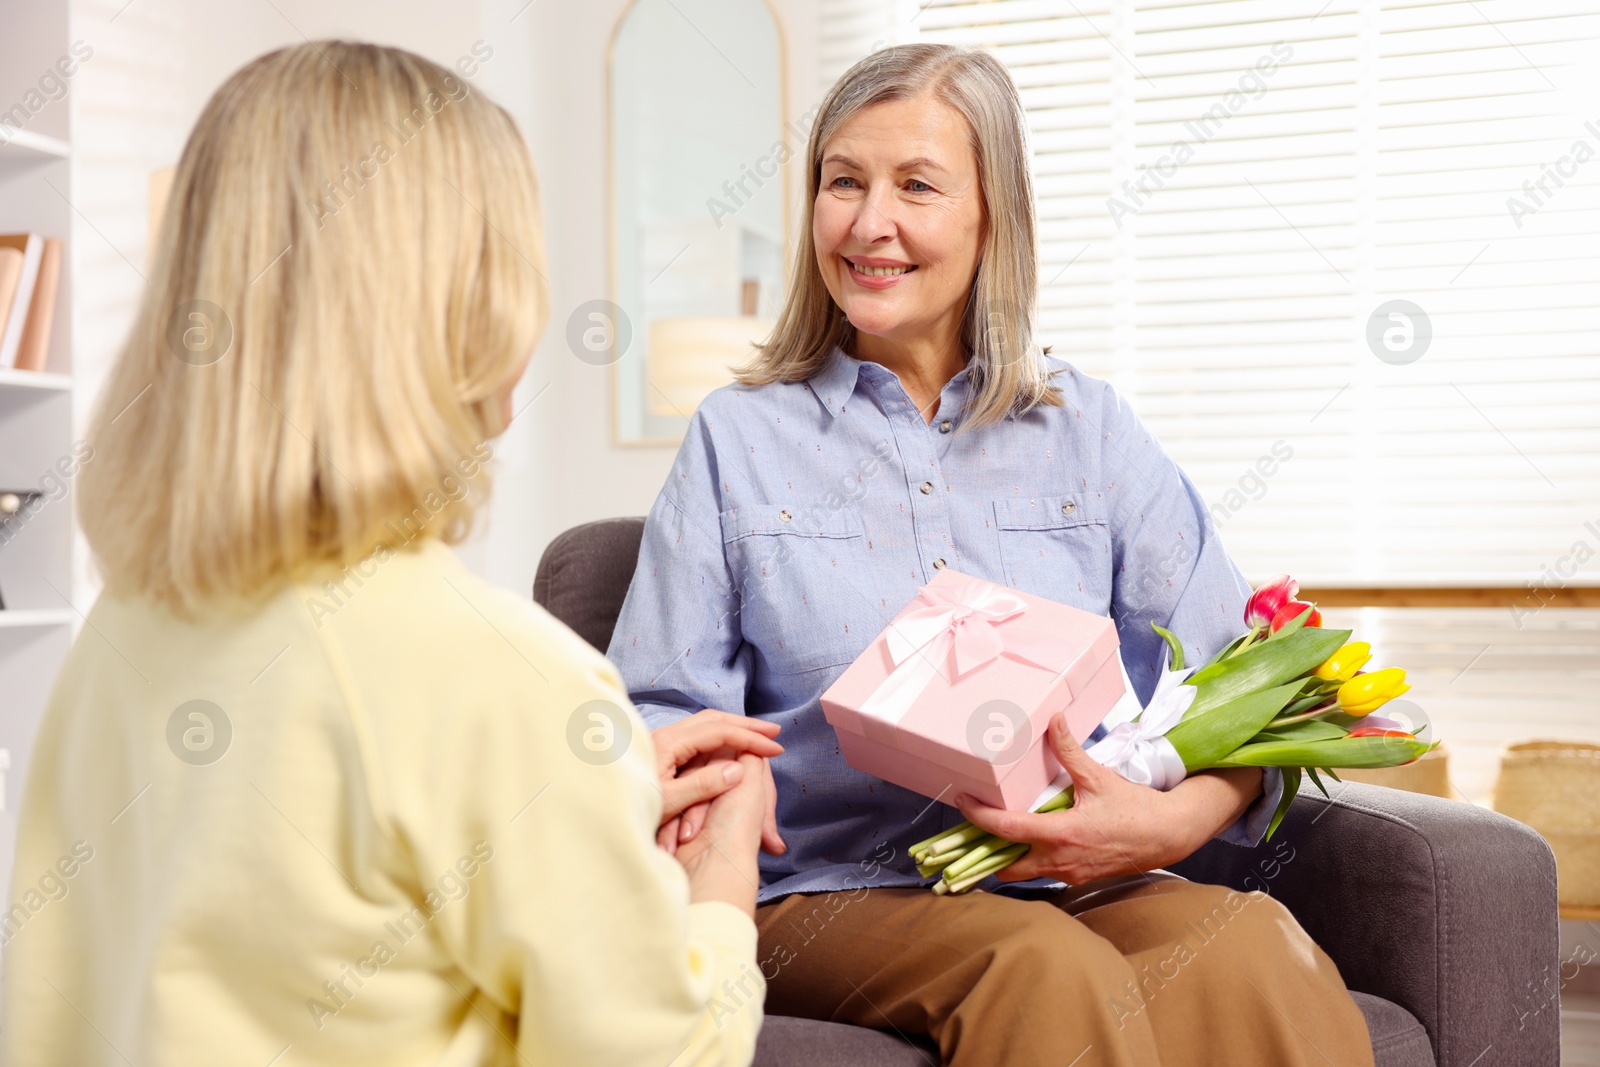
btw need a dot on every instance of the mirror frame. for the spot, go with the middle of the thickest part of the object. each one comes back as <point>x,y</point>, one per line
<point>786,191</point>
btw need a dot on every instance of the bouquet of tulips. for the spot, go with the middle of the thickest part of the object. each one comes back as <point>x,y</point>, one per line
<point>1285,693</point>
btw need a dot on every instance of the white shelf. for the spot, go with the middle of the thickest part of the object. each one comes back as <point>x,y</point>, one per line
<point>37,567</point>
<point>34,617</point>
<point>32,379</point>
<point>25,144</point>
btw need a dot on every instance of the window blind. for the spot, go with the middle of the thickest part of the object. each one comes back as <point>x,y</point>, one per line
<point>1342,255</point>
<point>847,30</point>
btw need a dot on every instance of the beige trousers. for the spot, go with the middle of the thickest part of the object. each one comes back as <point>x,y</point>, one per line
<point>1132,972</point>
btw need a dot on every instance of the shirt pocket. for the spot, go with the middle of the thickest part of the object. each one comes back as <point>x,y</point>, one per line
<point>1057,546</point>
<point>803,584</point>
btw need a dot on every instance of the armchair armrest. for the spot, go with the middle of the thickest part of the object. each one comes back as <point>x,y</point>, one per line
<point>1443,907</point>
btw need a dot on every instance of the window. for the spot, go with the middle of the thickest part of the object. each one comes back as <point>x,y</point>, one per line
<point>1344,256</point>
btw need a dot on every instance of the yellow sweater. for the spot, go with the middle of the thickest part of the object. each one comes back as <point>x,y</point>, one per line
<point>400,818</point>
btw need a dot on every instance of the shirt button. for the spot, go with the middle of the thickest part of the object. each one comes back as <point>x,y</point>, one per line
<point>784,515</point>
<point>1068,508</point>
<point>944,427</point>
<point>927,487</point>
<point>938,564</point>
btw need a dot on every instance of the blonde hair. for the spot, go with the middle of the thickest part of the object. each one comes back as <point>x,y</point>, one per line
<point>1008,371</point>
<point>348,275</point>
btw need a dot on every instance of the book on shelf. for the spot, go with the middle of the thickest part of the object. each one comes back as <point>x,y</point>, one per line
<point>34,348</point>
<point>10,276</point>
<point>31,245</point>
<point>27,301</point>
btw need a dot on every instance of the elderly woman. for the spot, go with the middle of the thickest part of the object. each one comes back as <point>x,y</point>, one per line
<point>308,791</point>
<point>900,420</point>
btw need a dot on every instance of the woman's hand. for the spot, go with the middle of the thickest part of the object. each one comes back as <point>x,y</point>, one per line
<point>694,816</point>
<point>1114,827</point>
<point>721,858</point>
<point>696,760</point>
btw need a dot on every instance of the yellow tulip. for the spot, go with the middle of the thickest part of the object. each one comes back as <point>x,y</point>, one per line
<point>1366,693</point>
<point>1343,664</point>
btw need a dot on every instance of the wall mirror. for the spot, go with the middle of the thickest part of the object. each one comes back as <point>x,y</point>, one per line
<point>698,203</point>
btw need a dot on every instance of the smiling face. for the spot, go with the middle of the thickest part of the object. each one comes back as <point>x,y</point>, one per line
<point>899,223</point>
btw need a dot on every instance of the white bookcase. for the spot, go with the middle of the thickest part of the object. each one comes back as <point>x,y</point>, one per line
<point>36,409</point>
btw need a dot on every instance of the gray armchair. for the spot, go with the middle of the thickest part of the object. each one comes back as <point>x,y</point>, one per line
<point>1440,915</point>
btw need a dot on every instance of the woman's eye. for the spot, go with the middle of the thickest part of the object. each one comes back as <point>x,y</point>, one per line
<point>842,182</point>
<point>919,187</point>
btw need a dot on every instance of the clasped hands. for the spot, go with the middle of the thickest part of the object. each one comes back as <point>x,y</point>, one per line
<point>1114,826</point>
<point>702,761</point>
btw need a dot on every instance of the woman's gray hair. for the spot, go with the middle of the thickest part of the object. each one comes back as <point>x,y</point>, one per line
<point>1008,370</point>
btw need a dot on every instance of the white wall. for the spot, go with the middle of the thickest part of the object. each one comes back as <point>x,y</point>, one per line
<point>157,61</point>
<point>589,477</point>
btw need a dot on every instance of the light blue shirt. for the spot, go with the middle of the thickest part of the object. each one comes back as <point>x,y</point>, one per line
<point>799,518</point>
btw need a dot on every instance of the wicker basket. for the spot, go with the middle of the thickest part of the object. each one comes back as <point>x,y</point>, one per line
<point>1554,787</point>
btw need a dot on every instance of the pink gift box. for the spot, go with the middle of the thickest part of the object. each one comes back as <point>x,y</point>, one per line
<point>955,695</point>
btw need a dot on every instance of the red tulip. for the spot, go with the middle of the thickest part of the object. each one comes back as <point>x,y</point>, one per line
<point>1376,722</point>
<point>1266,601</point>
<point>1378,731</point>
<point>1291,611</point>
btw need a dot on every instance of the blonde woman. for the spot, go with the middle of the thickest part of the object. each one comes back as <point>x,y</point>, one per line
<point>308,791</point>
<point>901,420</point>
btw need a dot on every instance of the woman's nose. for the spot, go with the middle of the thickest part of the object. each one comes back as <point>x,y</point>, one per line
<point>874,221</point>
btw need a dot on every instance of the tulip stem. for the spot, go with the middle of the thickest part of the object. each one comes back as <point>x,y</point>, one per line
<point>974,856</point>
<point>972,876</point>
<point>1060,802</point>
<point>964,834</point>
<point>1248,642</point>
<point>1305,716</point>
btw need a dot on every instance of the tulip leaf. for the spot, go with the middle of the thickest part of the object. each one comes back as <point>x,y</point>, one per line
<point>1360,752</point>
<point>1305,703</point>
<point>1312,771</point>
<point>1329,772</point>
<point>1310,730</point>
<point>1228,649</point>
<point>1291,786</point>
<point>1172,643</point>
<point>1201,742</point>
<point>1263,666</point>
<point>1293,625</point>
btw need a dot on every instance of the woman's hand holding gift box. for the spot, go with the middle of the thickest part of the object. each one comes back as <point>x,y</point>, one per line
<point>1285,693</point>
<point>955,694</point>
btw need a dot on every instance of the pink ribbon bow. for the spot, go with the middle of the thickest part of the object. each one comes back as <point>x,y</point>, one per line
<point>965,620</point>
